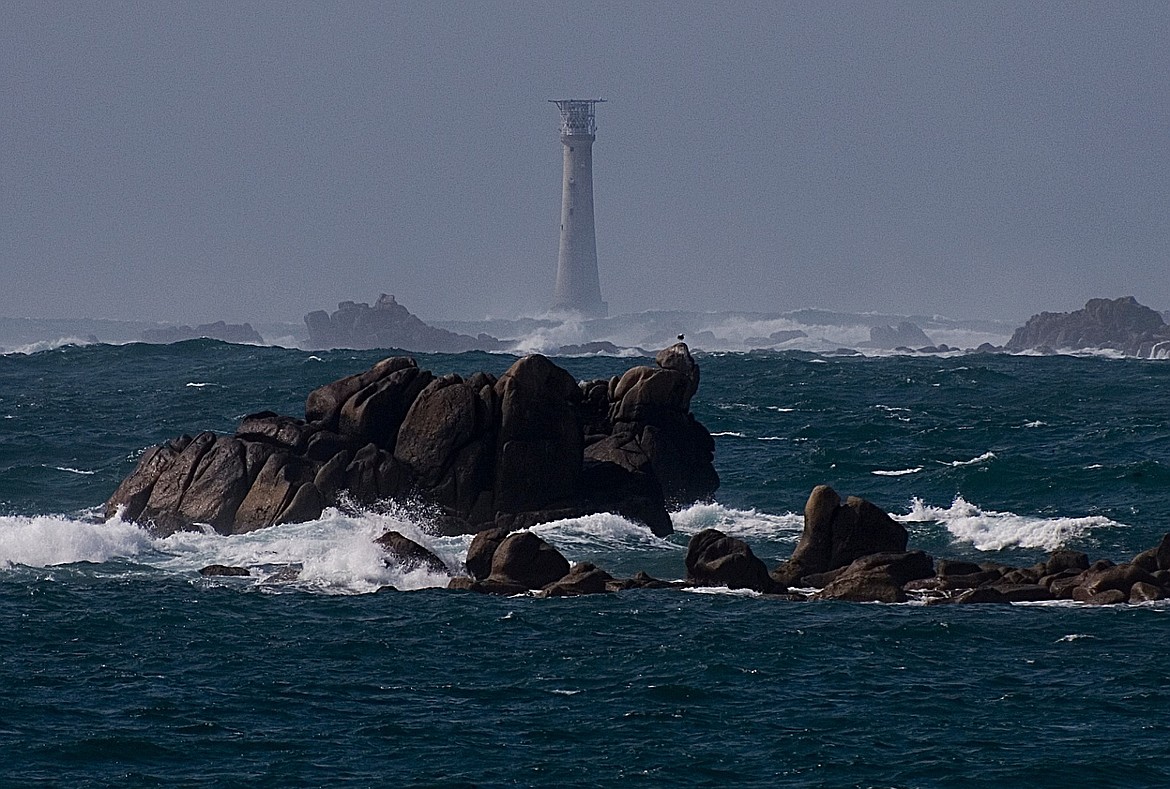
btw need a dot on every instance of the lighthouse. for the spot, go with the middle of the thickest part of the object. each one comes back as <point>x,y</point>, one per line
<point>578,287</point>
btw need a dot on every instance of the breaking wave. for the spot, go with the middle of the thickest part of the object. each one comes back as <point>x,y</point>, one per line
<point>988,530</point>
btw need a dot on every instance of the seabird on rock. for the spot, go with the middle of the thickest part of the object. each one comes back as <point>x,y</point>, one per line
<point>680,336</point>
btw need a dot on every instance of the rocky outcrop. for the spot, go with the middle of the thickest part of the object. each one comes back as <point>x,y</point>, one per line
<point>837,534</point>
<point>714,559</point>
<point>526,448</point>
<point>904,335</point>
<point>1119,324</point>
<point>241,333</point>
<point>387,324</point>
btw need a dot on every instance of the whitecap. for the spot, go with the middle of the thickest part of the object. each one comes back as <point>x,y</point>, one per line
<point>769,438</point>
<point>722,590</point>
<point>984,458</point>
<point>600,531</point>
<point>1074,637</point>
<point>335,554</point>
<point>47,540</point>
<point>730,433</point>
<point>196,385</point>
<point>899,473</point>
<point>738,523</point>
<point>71,470</point>
<point>47,345</point>
<point>989,530</point>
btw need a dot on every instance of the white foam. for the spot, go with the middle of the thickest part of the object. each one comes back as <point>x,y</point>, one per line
<point>984,458</point>
<point>47,540</point>
<point>335,554</point>
<point>722,590</point>
<point>71,470</point>
<point>738,523</point>
<point>47,345</point>
<point>730,433</point>
<point>601,531</point>
<point>989,530</point>
<point>898,473</point>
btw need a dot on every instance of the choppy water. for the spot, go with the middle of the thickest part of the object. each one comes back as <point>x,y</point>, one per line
<point>121,666</point>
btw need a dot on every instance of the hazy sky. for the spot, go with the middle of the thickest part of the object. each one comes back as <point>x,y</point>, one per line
<point>254,161</point>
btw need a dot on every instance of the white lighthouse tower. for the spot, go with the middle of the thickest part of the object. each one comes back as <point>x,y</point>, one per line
<point>578,287</point>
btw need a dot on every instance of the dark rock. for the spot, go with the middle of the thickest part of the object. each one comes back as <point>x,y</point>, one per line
<point>1117,324</point>
<point>714,559</point>
<point>877,577</point>
<point>835,535</point>
<point>306,504</point>
<point>509,452</point>
<point>1142,592</point>
<point>323,405</point>
<point>1021,576</point>
<point>985,594</point>
<point>582,579</point>
<point>1121,577</point>
<point>640,580</point>
<point>540,442</point>
<point>1066,560</point>
<point>1108,597</point>
<point>135,490</point>
<point>270,427</point>
<point>217,487</point>
<point>162,507</point>
<point>223,570</point>
<point>523,559</point>
<point>387,325</point>
<point>953,567</point>
<point>273,490</point>
<point>409,554</point>
<point>1022,592</point>
<point>1162,553</point>
<point>863,588</point>
<point>1147,560</point>
<point>486,586</point>
<point>482,549</point>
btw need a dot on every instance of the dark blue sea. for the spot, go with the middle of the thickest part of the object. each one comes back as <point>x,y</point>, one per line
<point>121,666</point>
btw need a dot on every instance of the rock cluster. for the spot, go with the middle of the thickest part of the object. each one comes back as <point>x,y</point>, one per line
<point>1118,324</point>
<point>848,551</point>
<point>530,446</point>
<point>387,324</point>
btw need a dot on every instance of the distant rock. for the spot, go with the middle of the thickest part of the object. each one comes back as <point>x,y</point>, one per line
<point>598,347</point>
<point>905,334</point>
<point>388,324</point>
<point>1119,325</point>
<point>775,338</point>
<point>241,333</point>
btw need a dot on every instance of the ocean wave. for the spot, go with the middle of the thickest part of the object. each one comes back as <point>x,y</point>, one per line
<point>601,531</point>
<point>47,540</point>
<point>984,458</point>
<point>335,554</point>
<point>47,345</point>
<point>898,473</point>
<point>738,523</point>
<point>988,530</point>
